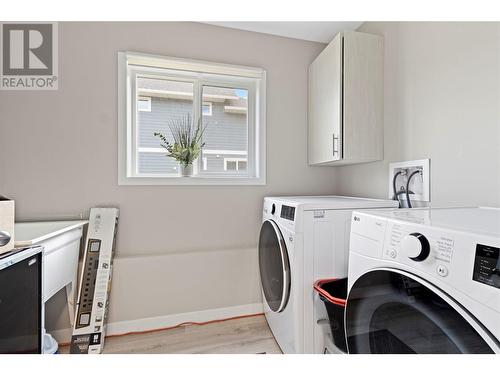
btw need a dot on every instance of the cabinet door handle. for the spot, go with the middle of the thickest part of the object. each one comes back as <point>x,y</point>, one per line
<point>334,138</point>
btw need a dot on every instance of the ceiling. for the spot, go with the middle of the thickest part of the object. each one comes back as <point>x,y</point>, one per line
<point>314,31</point>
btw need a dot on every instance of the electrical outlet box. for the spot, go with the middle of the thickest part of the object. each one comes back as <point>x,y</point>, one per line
<point>419,186</point>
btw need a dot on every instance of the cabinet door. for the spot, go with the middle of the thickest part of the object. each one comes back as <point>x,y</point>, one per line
<point>325,105</point>
<point>363,137</point>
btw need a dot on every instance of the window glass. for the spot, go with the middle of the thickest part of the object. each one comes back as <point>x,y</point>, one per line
<point>242,165</point>
<point>206,109</point>
<point>226,132</point>
<point>170,101</point>
<point>144,104</point>
<point>231,165</point>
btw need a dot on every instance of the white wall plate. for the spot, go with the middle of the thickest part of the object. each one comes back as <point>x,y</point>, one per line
<point>420,183</point>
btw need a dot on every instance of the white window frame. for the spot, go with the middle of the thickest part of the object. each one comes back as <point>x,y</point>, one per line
<point>209,106</point>
<point>206,74</point>
<point>148,100</point>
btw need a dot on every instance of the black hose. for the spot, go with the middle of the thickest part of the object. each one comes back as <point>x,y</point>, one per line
<point>408,187</point>
<point>396,194</point>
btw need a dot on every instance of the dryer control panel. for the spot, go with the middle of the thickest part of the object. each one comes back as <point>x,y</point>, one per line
<point>287,212</point>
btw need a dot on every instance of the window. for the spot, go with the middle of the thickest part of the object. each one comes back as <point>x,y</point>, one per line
<point>232,164</point>
<point>143,104</point>
<point>155,93</point>
<point>206,110</point>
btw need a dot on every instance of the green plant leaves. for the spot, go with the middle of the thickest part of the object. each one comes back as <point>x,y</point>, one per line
<point>187,144</point>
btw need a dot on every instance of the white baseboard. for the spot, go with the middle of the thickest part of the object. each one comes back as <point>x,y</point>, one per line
<point>145,324</point>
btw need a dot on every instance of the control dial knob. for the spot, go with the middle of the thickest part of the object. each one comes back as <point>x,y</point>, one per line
<point>416,247</point>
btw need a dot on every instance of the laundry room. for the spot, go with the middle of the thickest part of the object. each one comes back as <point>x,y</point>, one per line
<point>267,185</point>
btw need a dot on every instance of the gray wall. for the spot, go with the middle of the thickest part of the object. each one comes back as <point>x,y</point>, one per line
<point>442,101</point>
<point>58,157</point>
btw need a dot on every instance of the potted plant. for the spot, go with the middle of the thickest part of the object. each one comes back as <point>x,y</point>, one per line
<point>187,142</point>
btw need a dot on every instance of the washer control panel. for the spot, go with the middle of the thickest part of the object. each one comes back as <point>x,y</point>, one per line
<point>442,270</point>
<point>462,262</point>
<point>427,250</point>
<point>418,246</point>
<point>487,265</point>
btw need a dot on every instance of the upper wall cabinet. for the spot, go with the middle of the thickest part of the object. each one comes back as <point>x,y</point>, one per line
<point>346,101</point>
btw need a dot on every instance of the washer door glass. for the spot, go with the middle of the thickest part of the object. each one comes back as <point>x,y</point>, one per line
<point>274,266</point>
<point>389,312</point>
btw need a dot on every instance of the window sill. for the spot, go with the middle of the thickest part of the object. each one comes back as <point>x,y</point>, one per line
<point>194,180</point>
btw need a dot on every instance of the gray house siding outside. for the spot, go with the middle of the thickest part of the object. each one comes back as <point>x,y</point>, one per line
<point>225,131</point>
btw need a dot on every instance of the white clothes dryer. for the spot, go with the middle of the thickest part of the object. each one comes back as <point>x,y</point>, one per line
<point>303,239</point>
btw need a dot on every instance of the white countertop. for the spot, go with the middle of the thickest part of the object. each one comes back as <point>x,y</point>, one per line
<point>32,233</point>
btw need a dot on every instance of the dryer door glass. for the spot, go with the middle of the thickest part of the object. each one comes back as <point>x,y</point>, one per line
<point>392,313</point>
<point>274,266</point>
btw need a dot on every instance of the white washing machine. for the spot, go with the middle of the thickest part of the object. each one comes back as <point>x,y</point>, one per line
<point>303,239</point>
<point>424,281</point>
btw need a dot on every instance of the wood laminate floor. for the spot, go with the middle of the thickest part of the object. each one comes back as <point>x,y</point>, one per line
<point>248,335</point>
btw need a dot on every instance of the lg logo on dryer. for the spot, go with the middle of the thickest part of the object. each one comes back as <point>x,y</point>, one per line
<point>355,218</point>
<point>29,56</point>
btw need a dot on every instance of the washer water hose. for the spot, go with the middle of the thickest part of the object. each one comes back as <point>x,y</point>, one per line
<point>397,193</point>
<point>394,184</point>
<point>408,186</point>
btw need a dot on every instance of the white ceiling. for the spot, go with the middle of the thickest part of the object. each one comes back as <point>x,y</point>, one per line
<point>314,31</point>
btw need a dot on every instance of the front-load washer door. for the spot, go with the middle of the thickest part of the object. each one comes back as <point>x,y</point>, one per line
<point>274,266</point>
<point>393,312</point>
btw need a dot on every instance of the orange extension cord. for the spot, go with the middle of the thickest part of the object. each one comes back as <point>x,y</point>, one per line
<point>176,326</point>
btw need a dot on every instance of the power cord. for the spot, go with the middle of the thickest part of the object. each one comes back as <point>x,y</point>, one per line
<point>185,324</point>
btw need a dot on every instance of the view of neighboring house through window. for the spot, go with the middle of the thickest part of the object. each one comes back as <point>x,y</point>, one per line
<point>231,164</point>
<point>144,104</point>
<point>206,110</point>
<point>226,133</point>
<point>228,106</point>
<point>169,100</point>
<point>224,116</point>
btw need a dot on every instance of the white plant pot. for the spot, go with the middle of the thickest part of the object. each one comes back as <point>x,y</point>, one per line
<point>187,170</point>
